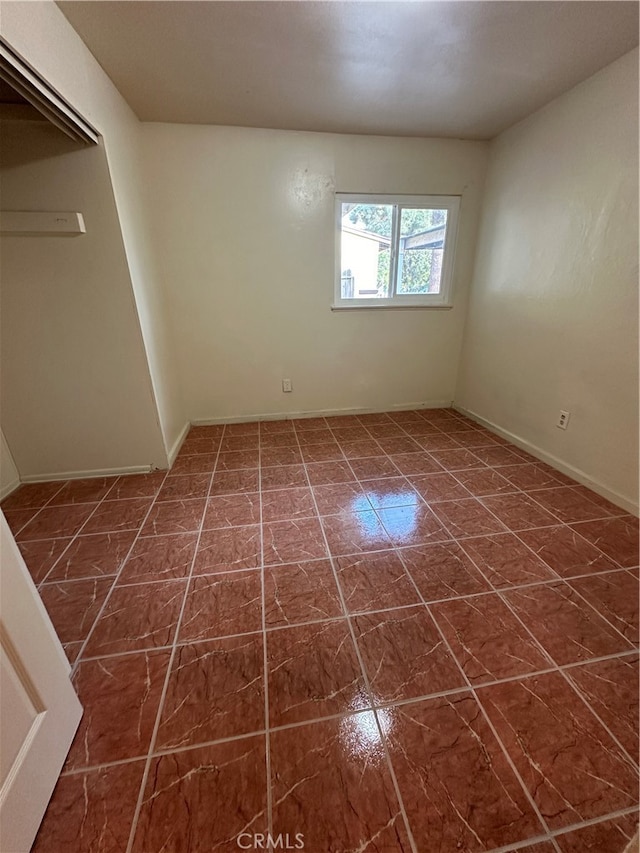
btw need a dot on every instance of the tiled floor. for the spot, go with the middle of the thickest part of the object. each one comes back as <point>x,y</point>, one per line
<point>383,633</point>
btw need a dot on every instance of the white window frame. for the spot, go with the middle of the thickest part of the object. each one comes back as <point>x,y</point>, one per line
<point>441,300</point>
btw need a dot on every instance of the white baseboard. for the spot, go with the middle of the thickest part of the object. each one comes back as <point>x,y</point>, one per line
<point>82,475</point>
<point>563,467</point>
<point>177,444</point>
<point>322,413</point>
<point>6,490</point>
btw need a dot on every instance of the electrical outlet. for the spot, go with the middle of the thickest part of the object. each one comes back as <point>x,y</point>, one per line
<point>563,419</point>
<point>287,387</point>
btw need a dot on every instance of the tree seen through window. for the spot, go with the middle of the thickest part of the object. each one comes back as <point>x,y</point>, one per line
<point>420,249</point>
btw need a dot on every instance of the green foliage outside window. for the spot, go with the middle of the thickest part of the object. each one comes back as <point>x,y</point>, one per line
<point>417,263</point>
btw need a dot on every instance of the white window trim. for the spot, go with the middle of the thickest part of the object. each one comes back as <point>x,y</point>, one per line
<point>441,300</point>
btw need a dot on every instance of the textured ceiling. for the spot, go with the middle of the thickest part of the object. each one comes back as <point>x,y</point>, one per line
<point>453,69</point>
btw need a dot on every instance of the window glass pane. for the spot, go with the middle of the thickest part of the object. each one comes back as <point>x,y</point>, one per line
<point>365,254</point>
<point>422,236</point>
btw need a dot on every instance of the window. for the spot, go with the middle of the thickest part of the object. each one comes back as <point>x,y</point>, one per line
<point>395,251</point>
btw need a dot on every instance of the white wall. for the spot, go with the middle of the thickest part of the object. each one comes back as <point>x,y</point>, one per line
<point>553,315</point>
<point>40,33</point>
<point>124,164</point>
<point>9,477</point>
<point>243,224</point>
<point>76,395</point>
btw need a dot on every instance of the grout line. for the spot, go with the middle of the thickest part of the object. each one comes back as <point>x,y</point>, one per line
<point>71,536</point>
<point>55,563</point>
<point>551,839</point>
<point>462,538</point>
<point>632,810</point>
<point>392,702</point>
<point>619,514</point>
<point>78,771</point>
<point>526,844</point>
<point>555,666</point>
<point>170,750</point>
<point>600,614</point>
<point>585,701</point>
<point>38,510</point>
<point>76,663</point>
<point>361,484</point>
<point>265,660</point>
<point>313,721</point>
<point>383,741</point>
<point>470,686</point>
<point>461,542</point>
<point>561,670</point>
<point>520,539</point>
<point>80,535</point>
<point>575,533</point>
<point>165,686</point>
<point>614,656</point>
<point>107,500</point>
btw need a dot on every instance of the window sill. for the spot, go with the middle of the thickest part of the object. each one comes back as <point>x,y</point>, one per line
<point>392,307</point>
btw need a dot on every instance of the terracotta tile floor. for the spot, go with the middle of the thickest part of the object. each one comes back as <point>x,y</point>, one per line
<point>385,633</point>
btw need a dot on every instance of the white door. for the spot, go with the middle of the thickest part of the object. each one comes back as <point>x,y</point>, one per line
<point>39,710</point>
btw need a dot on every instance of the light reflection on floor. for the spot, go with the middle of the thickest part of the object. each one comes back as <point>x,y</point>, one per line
<point>360,734</point>
<point>405,517</point>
